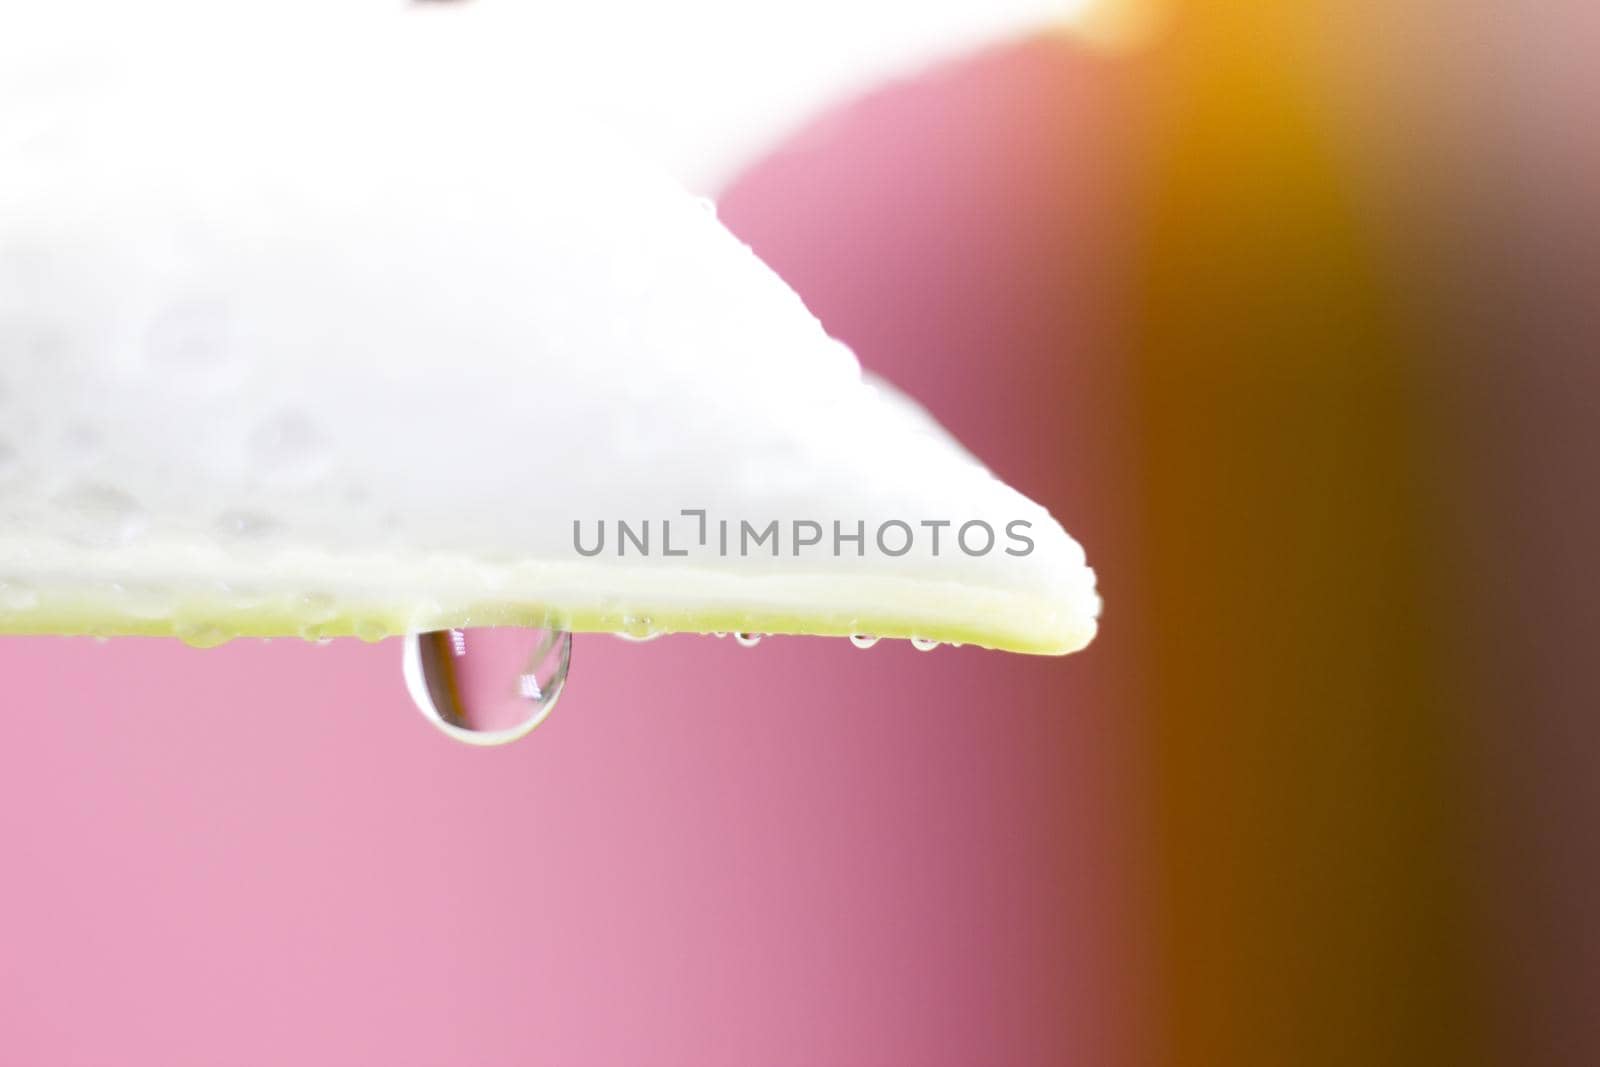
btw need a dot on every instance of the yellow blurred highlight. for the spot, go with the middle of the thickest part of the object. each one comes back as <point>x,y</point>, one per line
<point>1119,26</point>
<point>1312,862</point>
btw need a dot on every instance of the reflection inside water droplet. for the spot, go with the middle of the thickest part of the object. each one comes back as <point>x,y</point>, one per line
<point>863,640</point>
<point>748,640</point>
<point>923,644</point>
<point>487,686</point>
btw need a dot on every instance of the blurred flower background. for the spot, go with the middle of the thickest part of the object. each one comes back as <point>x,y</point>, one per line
<point>1289,311</point>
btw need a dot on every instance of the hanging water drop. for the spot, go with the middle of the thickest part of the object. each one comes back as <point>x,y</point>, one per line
<point>863,640</point>
<point>748,640</point>
<point>201,634</point>
<point>923,644</point>
<point>637,629</point>
<point>487,686</point>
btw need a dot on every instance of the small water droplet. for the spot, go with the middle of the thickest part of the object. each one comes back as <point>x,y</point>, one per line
<point>487,686</point>
<point>202,635</point>
<point>247,526</point>
<point>371,630</point>
<point>719,633</point>
<point>923,644</point>
<point>863,640</point>
<point>748,640</point>
<point>319,610</point>
<point>635,628</point>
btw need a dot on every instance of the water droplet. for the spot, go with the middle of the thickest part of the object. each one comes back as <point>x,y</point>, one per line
<point>637,629</point>
<point>487,686</point>
<point>923,644</point>
<point>320,610</point>
<point>247,526</point>
<point>863,640</point>
<point>101,517</point>
<point>748,640</point>
<point>371,630</point>
<point>202,635</point>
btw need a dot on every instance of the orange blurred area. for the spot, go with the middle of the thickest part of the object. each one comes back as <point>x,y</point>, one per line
<point>1363,345</point>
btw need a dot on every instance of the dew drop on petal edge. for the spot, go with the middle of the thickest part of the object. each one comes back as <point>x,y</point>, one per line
<point>923,644</point>
<point>863,640</point>
<point>637,629</point>
<point>487,686</point>
<point>748,640</point>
